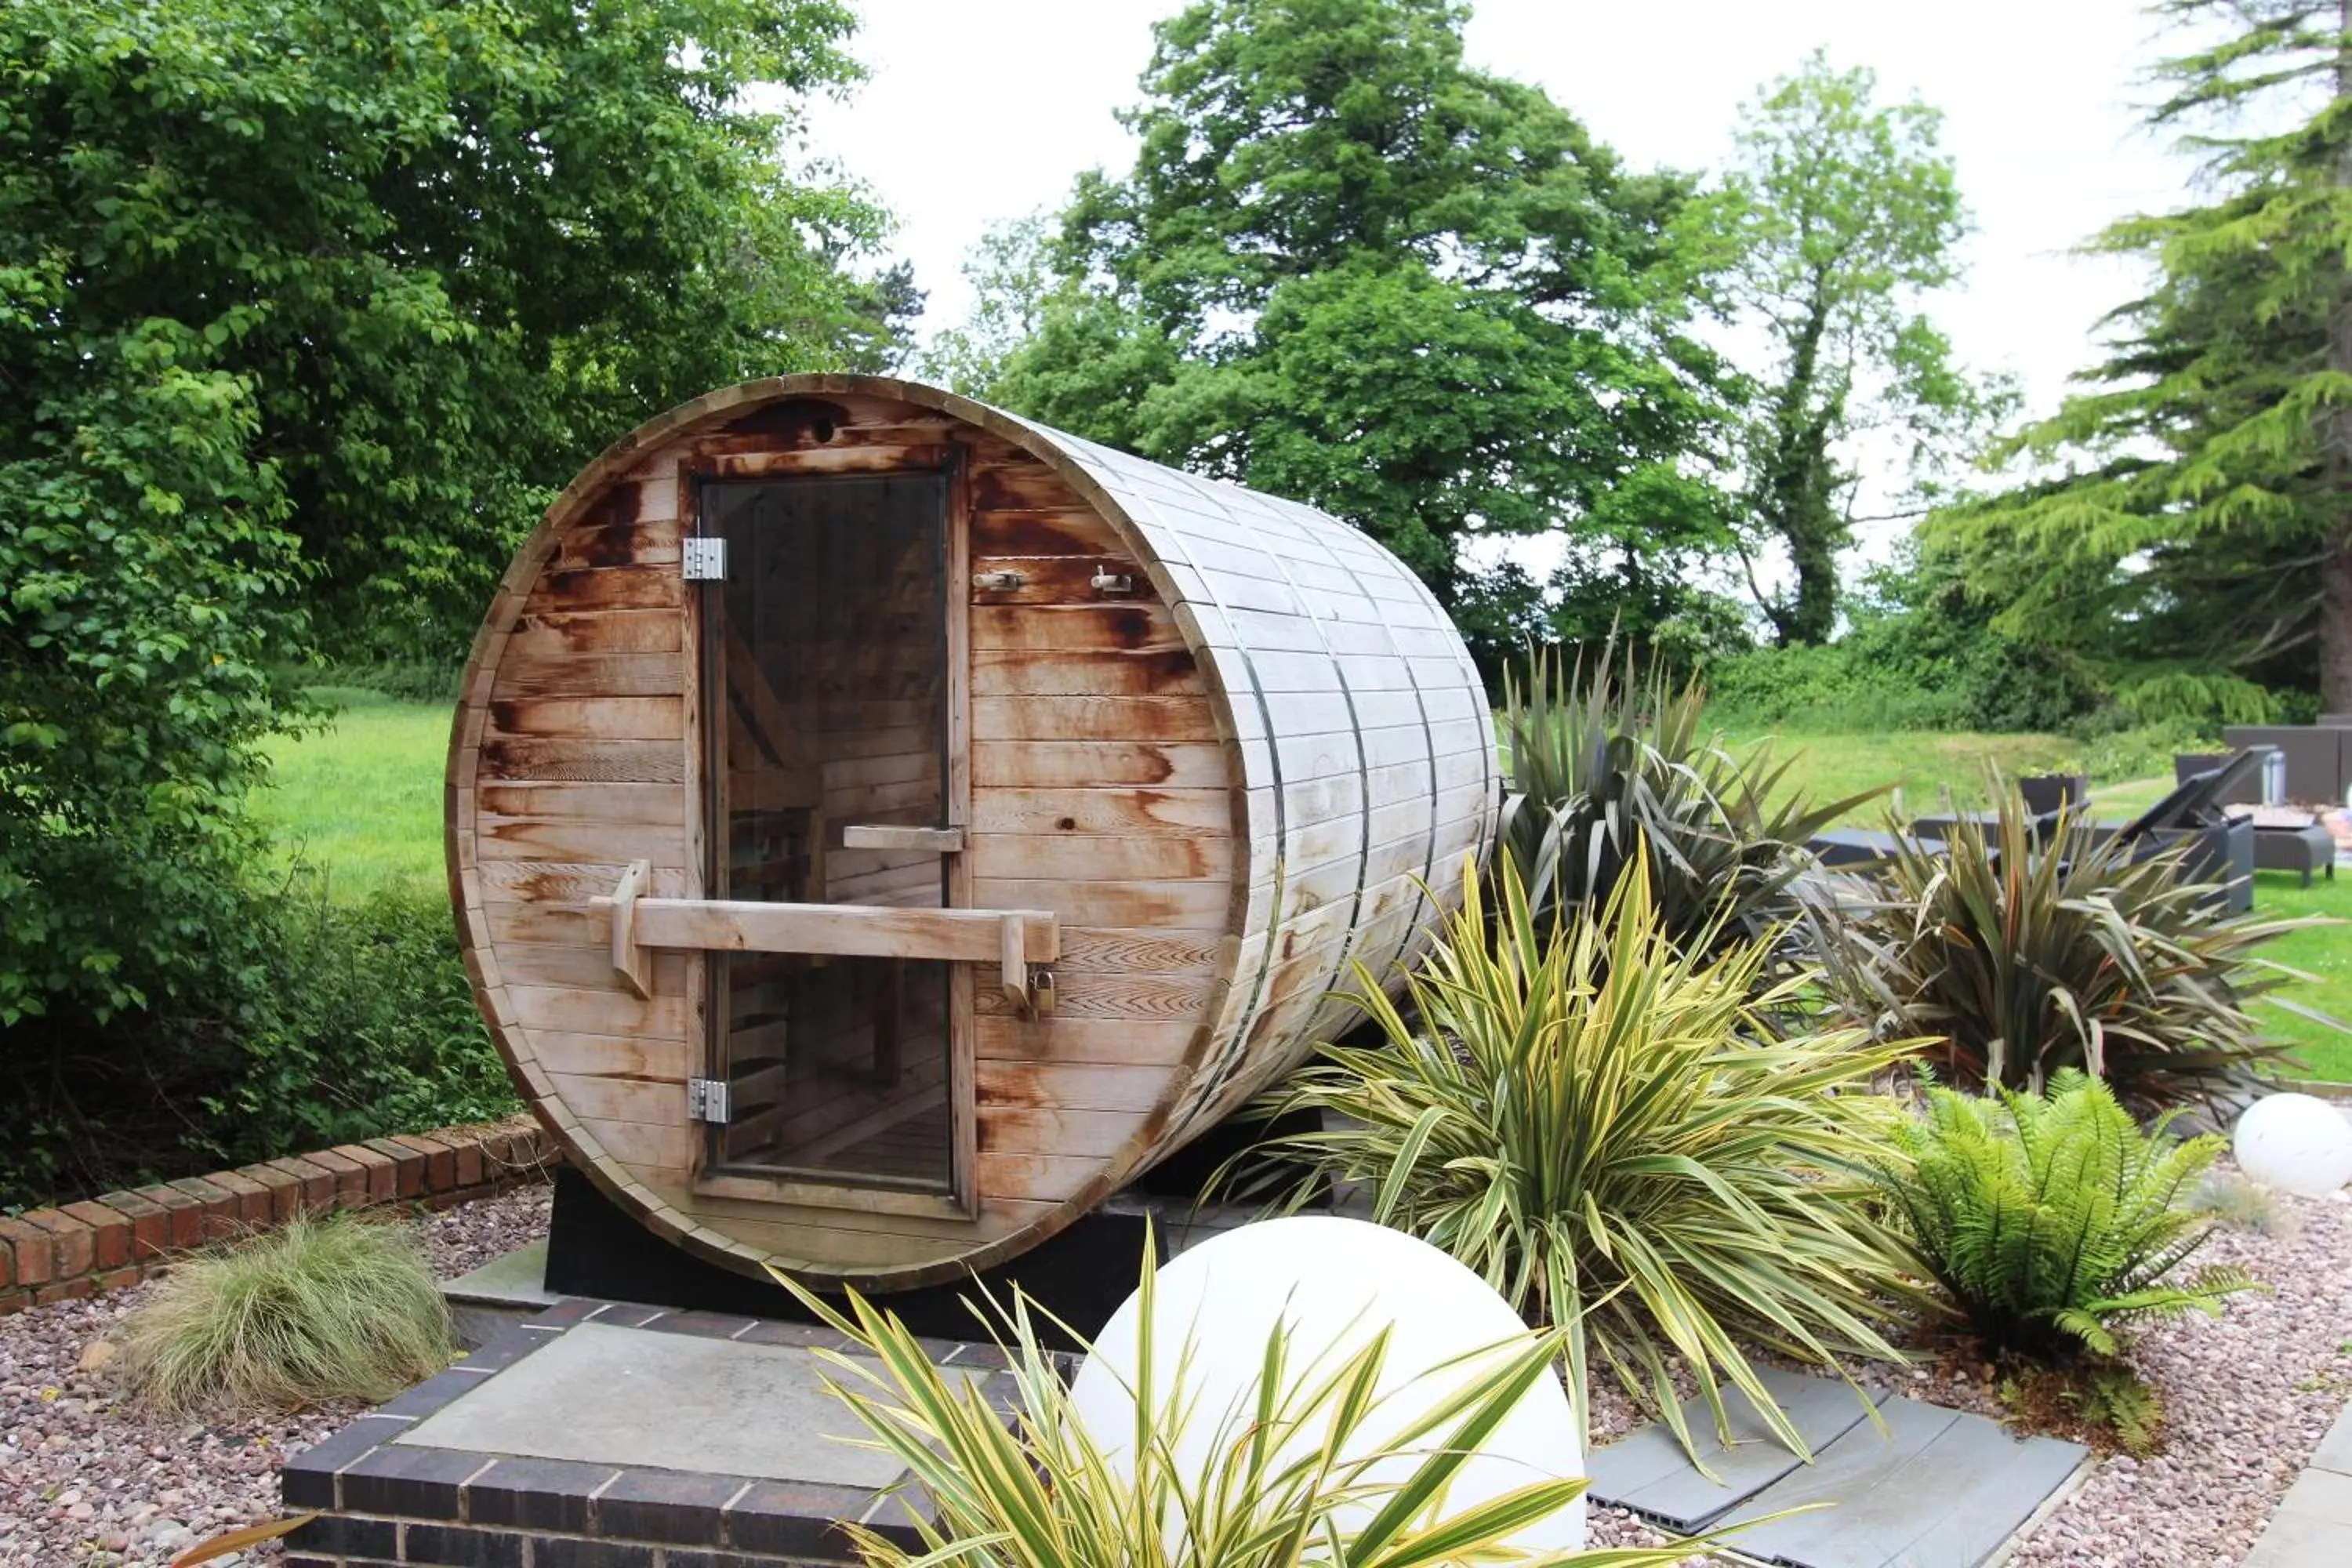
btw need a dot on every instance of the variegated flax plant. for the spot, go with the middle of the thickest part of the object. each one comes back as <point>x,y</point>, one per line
<point>1029,1486</point>
<point>1603,1123</point>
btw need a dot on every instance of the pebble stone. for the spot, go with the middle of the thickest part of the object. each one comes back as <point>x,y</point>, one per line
<point>85,1481</point>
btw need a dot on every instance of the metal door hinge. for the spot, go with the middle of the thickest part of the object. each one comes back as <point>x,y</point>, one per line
<point>706,1100</point>
<point>703,559</point>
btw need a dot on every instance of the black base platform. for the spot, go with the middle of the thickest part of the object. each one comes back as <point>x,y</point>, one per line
<point>597,1250</point>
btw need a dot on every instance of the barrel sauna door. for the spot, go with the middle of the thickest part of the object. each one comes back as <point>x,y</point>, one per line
<point>831,708</point>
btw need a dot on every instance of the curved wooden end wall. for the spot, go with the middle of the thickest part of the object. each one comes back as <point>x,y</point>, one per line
<point>1228,785</point>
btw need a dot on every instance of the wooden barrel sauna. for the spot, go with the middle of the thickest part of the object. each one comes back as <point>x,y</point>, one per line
<point>880,828</point>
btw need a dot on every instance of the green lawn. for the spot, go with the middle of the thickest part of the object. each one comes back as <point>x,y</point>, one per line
<point>362,801</point>
<point>1929,772</point>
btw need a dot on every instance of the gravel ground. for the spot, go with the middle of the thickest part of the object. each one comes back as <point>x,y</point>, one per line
<point>86,1481</point>
<point>2247,1398</point>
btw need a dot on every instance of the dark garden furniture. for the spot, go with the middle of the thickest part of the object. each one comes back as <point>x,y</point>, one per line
<point>2319,758</point>
<point>2289,840</point>
<point>2046,793</point>
<point>2221,850</point>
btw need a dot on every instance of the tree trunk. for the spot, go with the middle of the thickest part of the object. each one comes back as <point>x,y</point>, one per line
<point>2335,569</point>
<point>1796,496</point>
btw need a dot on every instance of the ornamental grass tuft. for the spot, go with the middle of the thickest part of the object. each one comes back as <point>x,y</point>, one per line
<point>1607,1126</point>
<point>342,1307</point>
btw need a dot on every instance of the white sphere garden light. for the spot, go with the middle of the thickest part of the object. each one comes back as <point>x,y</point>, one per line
<point>2295,1143</point>
<point>1335,1283</point>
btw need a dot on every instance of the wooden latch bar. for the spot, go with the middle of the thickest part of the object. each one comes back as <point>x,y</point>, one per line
<point>1021,943</point>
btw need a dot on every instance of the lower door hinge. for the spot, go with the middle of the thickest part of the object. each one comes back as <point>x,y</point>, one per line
<point>706,1100</point>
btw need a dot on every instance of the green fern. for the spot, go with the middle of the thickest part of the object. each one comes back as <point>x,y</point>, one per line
<point>2053,1222</point>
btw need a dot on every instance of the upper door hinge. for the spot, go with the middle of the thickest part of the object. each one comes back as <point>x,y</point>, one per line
<point>703,559</point>
<point>706,1100</point>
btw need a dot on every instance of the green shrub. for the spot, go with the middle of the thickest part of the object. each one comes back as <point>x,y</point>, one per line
<point>1607,771</point>
<point>308,1024</point>
<point>2052,1221</point>
<point>341,1307</point>
<point>1042,1491</point>
<point>2018,960</point>
<point>375,1031</point>
<point>1604,1126</point>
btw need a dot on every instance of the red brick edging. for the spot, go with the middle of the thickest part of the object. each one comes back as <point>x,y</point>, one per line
<point>119,1239</point>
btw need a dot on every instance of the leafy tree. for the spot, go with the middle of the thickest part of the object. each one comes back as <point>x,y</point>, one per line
<point>306,306</point>
<point>1347,268</point>
<point>2194,503</point>
<point>1836,218</point>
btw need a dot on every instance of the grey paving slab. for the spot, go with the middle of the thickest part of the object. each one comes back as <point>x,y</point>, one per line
<point>1939,1488</point>
<point>2335,1448</point>
<point>2324,1497</point>
<point>623,1397</point>
<point>1647,1470</point>
<point>2291,1541</point>
<point>515,1279</point>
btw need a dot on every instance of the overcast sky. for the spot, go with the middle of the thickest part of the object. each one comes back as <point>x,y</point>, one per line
<point>981,110</point>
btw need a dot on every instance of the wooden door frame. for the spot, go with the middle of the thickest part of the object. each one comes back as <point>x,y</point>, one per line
<point>952,465</point>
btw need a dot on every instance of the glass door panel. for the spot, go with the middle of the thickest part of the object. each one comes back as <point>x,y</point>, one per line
<point>830,634</point>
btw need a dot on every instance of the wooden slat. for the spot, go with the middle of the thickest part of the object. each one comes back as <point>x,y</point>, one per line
<point>608,1098</point>
<point>643,1143</point>
<point>1162,998</point>
<point>1179,717</point>
<point>623,805</point>
<point>551,634</point>
<point>1058,579</point>
<point>1063,1134</point>
<point>557,884</point>
<point>1126,1088</point>
<point>1152,672</point>
<point>1113,951</point>
<point>584,762</point>
<point>1185,906</point>
<point>608,588</point>
<point>589,718</point>
<point>1044,1178</point>
<point>1058,1040</point>
<point>1101,857</point>
<point>613,1055</point>
<point>591,675</point>
<point>1082,765</point>
<point>640,543</point>
<point>1186,812</point>
<point>524,838</point>
<point>1108,627</point>
<point>1043,533</point>
<point>598,1012</point>
<point>583,969</point>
